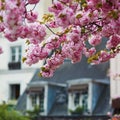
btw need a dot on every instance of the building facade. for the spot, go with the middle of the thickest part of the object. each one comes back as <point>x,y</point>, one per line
<point>114,83</point>
<point>14,75</point>
<point>72,86</point>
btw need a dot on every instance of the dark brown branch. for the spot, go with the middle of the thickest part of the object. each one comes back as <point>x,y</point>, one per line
<point>50,29</point>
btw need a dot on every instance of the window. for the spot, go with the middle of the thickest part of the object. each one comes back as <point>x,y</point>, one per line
<point>85,101</point>
<point>77,99</point>
<point>16,53</point>
<point>41,102</point>
<point>14,91</point>
<point>34,100</point>
<point>81,99</point>
<point>38,100</point>
<point>15,58</point>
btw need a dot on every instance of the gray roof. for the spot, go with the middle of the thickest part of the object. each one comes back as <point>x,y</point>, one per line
<point>69,71</point>
<point>60,106</point>
<point>21,104</point>
<point>59,109</point>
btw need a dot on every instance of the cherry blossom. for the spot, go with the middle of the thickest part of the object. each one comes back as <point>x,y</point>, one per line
<point>81,25</point>
<point>95,40</point>
<point>31,16</point>
<point>33,1</point>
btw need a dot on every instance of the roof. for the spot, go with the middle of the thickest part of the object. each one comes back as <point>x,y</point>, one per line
<point>103,105</point>
<point>21,104</point>
<point>59,109</point>
<point>66,72</point>
<point>69,71</point>
<point>87,80</point>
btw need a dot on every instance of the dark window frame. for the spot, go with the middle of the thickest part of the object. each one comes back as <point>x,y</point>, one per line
<point>14,91</point>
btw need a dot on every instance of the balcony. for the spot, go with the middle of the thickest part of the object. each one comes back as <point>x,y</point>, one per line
<point>14,65</point>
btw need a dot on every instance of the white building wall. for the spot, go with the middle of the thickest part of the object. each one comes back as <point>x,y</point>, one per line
<point>7,77</point>
<point>24,75</point>
<point>45,100</point>
<point>28,103</point>
<point>90,95</point>
<point>71,105</point>
<point>14,77</point>
<point>115,76</point>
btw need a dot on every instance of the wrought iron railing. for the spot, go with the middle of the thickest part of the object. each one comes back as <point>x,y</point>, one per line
<point>14,65</point>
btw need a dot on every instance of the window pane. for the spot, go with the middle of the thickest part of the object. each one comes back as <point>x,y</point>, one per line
<point>19,59</point>
<point>85,102</point>
<point>15,91</point>
<point>13,58</point>
<point>13,50</point>
<point>41,102</point>
<point>16,53</point>
<point>77,99</point>
<point>34,100</point>
<point>20,49</point>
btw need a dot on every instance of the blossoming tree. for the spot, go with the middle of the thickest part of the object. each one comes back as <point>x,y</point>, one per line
<point>78,23</point>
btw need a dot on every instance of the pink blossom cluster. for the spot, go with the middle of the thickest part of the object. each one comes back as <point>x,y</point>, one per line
<point>82,25</point>
<point>34,53</point>
<point>52,64</point>
<point>17,22</point>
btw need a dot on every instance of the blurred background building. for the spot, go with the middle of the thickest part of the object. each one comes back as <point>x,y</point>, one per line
<point>14,75</point>
<point>73,85</point>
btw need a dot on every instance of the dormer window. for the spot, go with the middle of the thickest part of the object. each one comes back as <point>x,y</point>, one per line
<point>78,96</point>
<point>36,97</point>
<point>81,99</point>
<point>15,57</point>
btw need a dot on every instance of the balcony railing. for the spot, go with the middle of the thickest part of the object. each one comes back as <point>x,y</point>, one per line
<point>14,65</point>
